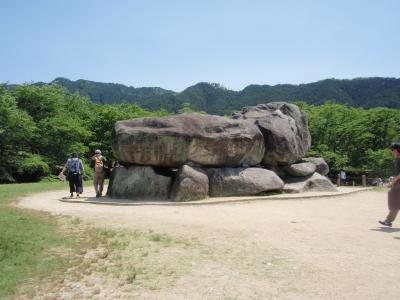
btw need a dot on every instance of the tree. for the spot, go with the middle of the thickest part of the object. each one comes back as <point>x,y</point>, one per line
<point>17,133</point>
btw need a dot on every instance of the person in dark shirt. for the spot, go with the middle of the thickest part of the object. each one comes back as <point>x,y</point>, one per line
<point>394,192</point>
<point>75,171</point>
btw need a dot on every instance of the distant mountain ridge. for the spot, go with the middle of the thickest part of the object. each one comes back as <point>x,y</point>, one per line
<point>215,99</point>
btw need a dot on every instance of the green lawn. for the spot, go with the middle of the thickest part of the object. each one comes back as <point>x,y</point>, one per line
<point>27,239</point>
<point>37,248</point>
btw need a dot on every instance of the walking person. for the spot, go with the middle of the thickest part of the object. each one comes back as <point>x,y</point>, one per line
<point>343,176</point>
<point>394,185</point>
<point>99,164</point>
<point>75,170</point>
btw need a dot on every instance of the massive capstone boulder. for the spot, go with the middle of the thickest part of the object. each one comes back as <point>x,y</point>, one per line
<point>242,181</point>
<point>138,182</point>
<point>285,130</point>
<point>173,141</point>
<point>192,156</point>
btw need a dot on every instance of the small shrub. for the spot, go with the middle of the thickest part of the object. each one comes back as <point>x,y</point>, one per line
<point>31,168</point>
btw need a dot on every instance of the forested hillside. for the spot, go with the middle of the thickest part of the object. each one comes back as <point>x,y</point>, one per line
<point>42,125</point>
<point>215,99</point>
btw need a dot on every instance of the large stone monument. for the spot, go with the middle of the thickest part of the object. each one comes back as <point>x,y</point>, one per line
<point>193,156</point>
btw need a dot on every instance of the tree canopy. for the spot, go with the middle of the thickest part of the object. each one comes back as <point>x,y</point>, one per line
<point>42,126</point>
<point>351,138</point>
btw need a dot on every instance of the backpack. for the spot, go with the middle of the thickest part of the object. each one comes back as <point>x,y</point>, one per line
<point>73,166</point>
<point>98,164</point>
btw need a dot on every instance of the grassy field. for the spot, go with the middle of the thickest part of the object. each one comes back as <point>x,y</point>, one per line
<point>43,255</point>
<point>28,240</point>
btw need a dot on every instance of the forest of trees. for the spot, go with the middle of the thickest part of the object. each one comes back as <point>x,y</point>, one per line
<point>42,125</point>
<point>216,99</point>
<point>354,139</point>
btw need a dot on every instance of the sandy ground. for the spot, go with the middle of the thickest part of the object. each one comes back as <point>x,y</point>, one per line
<point>320,248</point>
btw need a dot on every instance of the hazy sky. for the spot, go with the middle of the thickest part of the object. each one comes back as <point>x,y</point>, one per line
<point>175,44</point>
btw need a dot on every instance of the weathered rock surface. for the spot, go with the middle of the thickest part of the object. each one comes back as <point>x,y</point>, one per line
<point>242,181</point>
<point>278,170</point>
<point>285,130</point>
<point>214,154</point>
<point>190,184</point>
<point>321,166</point>
<point>138,182</point>
<point>175,140</point>
<point>300,169</point>
<point>312,183</point>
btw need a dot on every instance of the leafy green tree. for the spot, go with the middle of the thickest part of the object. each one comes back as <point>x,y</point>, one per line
<point>335,160</point>
<point>39,102</point>
<point>61,135</point>
<point>17,133</point>
<point>352,138</point>
<point>380,162</point>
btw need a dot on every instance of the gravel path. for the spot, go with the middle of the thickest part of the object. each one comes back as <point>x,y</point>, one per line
<point>327,248</point>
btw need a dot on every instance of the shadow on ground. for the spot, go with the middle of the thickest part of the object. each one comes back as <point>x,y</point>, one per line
<point>386,229</point>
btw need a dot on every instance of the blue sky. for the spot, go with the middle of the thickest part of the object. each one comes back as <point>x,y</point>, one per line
<point>175,44</point>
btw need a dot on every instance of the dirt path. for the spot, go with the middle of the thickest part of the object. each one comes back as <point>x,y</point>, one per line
<point>328,248</point>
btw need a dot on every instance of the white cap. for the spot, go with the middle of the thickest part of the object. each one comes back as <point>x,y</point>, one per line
<point>97,151</point>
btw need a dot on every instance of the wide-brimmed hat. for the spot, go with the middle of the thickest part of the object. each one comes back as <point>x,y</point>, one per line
<point>97,151</point>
